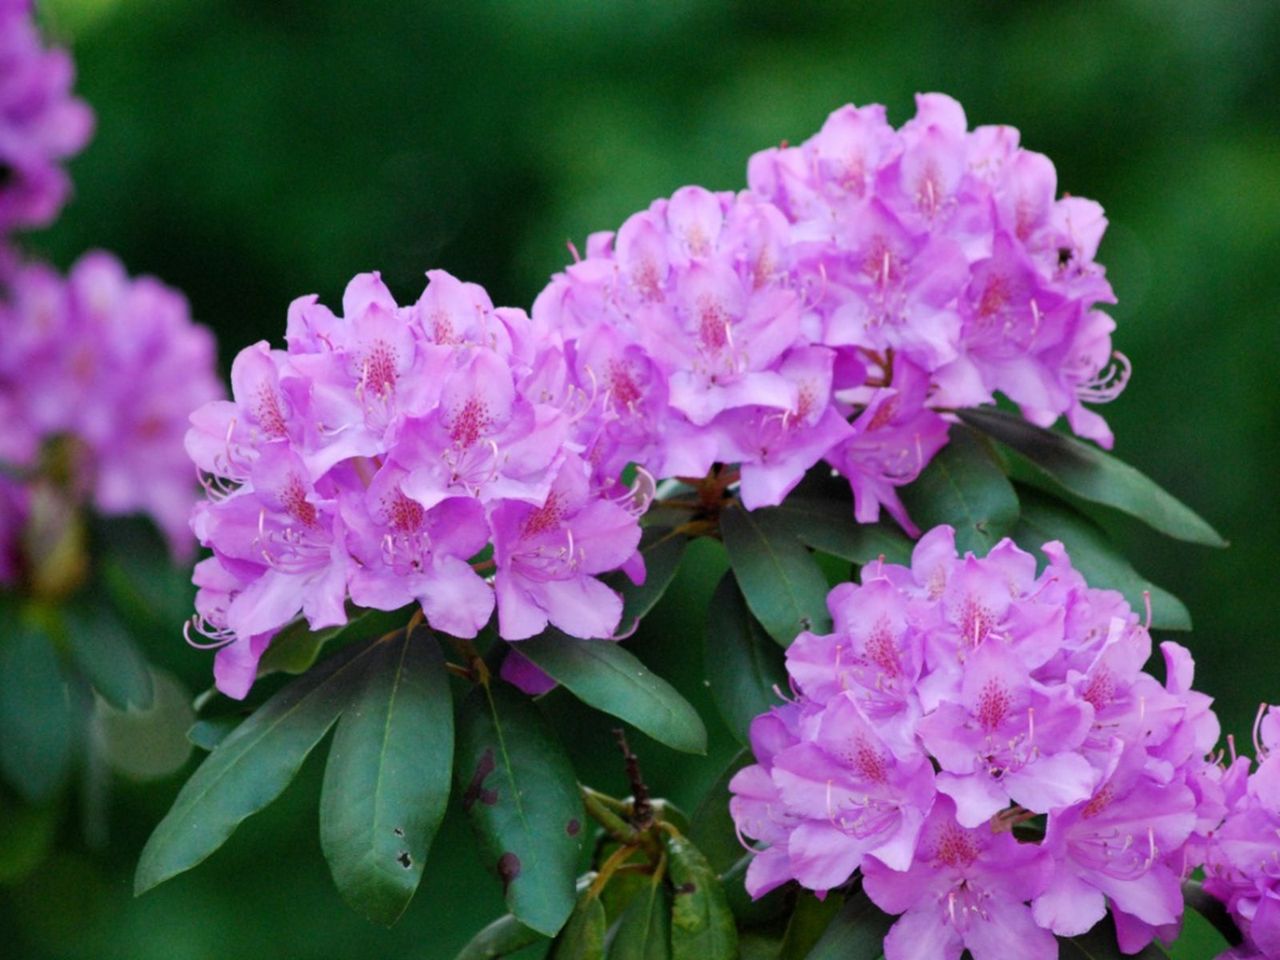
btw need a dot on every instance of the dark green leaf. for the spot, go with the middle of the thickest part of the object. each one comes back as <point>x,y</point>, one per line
<point>583,936</point>
<point>1213,912</point>
<point>964,487</point>
<point>35,713</point>
<point>26,835</point>
<point>1092,553</point>
<point>662,549</point>
<point>250,768</point>
<point>501,938</point>
<point>1100,944</point>
<point>809,920</point>
<point>519,791</point>
<point>783,584</point>
<point>829,526</point>
<point>644,932</point>
<point>713,831</point>
<point>747,911</point>
<point>702,926</point>
<point>108,657</point>
<point>856,933</point>
<point>295,648</point>
<point>603,675</point>
<point>208,733</point>
<point>743,665</point>
<point>1093,475</point>
<point>759,945</point>
<point>386,783</point>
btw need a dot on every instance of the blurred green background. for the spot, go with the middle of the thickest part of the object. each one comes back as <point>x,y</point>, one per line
<point>249,152</point>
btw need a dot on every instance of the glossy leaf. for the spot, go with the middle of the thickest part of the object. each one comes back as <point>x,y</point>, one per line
<point>856,933</point>
<point>743,665</point>
<point>250,768</point>
<point>35,713</point>
<point>644,932</point>
<point>1100,944</point>
<point>713,831</point>
<point>386,783</point>
<point>604,675</point>
<point>964,487</point>
<point>809,920</point>
<point>519,791</point>
<point>662,549</point>
<point>702,926</point>
<point>296,647</point>
<point>782,582</point>
<point>583,936</point>
<point>211,731</point>
<point>501,938</point>
<point>829,526</point>
<point>1096,476</point>
<point>1092,553</point>
<point>108,657</point>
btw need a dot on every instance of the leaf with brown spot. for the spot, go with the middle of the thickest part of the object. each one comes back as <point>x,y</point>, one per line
<point>521,807</point>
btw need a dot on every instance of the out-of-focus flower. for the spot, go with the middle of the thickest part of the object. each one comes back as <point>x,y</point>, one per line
<point>41,123</point>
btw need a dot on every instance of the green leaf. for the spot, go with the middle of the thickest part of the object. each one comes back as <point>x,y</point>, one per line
<point>26,836</point>
<point>520,793</point>
<point>782,582</point>
<point>108,657</point>
<point>1206,923</point>
<point>386,783</point>
<point>1095,556</point>
<point>1093,475</point>
<point>211,731</point>
<point>250,768</point>
<point>856,933</point>
<point>747,911</point>
<point>583,936</point>
<point>296,647</point>
<point>964,487</point>
<point>713,831</point>
<point>1100,944</point>
<point>829,526</point>
<point>743,665</point>
<point>662,549</point>
<point>603,675</point>
<point>809,920</point>
<point>501,938</point>
<point>702,926</point>
<point>644,932</point>
<point>35,713</point>
<point>146,744</point>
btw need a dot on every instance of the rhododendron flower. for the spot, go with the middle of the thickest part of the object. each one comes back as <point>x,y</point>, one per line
<point>967,889</point>
<point>109,367</point>
<point>376,459</point>
<point>956,700</point>
<point>41,123</point>
<point>1243,853</point>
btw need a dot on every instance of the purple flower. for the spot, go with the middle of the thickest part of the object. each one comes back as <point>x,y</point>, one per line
<point>548,554</point>
<point>375,461</point>
<point>41,123</point>
<point>113,366</point>
<point>965,890</point>
<point>959,700</point>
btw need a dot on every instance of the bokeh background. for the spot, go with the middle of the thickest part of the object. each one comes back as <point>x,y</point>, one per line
<point>249,152</point>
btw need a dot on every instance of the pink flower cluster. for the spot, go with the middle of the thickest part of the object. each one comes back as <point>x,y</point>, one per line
<point>41,123</point>
<point>1242,864</point>
<point>111,366</point>
<point>378,457</point>
<point>869,278</point>
<point>962,707</point>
